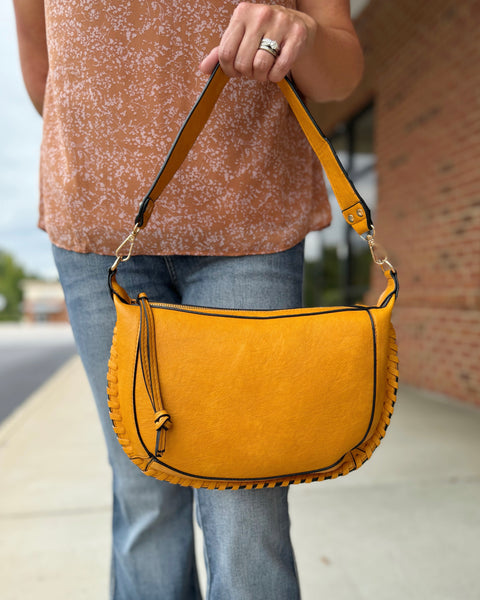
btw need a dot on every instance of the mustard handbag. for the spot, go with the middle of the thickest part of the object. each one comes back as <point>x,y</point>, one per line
<point>230,399</point>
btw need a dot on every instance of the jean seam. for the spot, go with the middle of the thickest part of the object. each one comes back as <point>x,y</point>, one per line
<point>171,270</point>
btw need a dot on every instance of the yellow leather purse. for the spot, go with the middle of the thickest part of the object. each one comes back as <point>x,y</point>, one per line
<point>217,398</point>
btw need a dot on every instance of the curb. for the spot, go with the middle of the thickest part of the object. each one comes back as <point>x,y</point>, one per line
<point>30,407</point>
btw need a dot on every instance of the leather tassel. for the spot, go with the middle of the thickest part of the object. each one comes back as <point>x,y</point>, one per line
<point>148,359</point>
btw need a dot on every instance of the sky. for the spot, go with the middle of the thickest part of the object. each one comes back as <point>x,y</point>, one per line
<point>20,136</point>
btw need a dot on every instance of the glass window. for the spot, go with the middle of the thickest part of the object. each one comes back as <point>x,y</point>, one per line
<point>338,261</point>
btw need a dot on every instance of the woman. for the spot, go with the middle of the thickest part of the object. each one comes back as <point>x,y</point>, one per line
<point>114,82</point>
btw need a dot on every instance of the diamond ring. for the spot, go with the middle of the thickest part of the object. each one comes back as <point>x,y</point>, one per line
<point>270,46</point>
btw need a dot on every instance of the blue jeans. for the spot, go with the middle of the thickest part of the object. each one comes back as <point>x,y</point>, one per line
<point>247,547</point>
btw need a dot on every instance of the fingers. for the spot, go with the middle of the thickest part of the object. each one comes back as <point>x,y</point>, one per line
<point>237,48</point>
<point>208,63</point>
<point>292,48</point>
<point>262,65</point>
<point>239,53</point>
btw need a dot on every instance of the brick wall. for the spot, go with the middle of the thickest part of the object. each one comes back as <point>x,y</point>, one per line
<point>423,73</point>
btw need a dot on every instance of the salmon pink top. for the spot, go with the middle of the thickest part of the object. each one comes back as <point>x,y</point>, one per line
<point>122,78</point>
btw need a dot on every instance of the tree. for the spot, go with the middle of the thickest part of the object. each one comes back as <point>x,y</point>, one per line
<point>11,275</point>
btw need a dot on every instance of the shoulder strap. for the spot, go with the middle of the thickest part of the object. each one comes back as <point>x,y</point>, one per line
<point>354,209</point>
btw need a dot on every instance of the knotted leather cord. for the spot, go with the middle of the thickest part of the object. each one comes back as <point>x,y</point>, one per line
<point>354,209</point>
<point>149,363</point>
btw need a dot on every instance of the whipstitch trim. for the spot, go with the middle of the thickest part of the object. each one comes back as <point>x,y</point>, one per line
<point>352,461</point>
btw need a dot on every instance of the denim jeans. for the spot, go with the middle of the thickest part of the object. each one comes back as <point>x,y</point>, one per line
<point>247,547</point>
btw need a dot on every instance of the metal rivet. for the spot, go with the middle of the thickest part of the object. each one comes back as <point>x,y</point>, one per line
<point>351,218</point>
<point>359,212</point>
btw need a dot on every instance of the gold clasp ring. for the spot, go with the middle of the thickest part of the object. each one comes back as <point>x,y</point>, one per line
<point>378,253</point>
<point>130,239</point>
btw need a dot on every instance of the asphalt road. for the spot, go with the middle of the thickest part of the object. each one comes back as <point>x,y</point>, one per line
<point>29,355</point>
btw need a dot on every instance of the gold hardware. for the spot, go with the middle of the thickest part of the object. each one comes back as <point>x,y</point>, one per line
<point>379,254</point>
<point>351,218</point>
<point>130,239</point>
<point>359,212</point>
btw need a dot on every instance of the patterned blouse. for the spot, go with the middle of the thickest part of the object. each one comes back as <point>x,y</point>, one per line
<point>122,78</point>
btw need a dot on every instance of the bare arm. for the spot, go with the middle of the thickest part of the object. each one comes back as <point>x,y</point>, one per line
<point>32,46</point>
<point>318,45</point>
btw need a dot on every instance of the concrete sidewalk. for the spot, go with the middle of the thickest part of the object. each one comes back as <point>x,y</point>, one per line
<point>406,525</point>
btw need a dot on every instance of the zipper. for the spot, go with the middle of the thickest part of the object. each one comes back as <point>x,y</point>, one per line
<point>215,311</point>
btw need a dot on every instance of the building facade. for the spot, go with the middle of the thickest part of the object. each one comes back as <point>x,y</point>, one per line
<point>43,302</point>
<point>422,75</point>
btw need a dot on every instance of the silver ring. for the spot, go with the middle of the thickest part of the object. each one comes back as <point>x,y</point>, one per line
<point>270,46</point>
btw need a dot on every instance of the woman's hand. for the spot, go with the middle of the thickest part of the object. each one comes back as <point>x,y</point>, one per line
<point>239,54</point>
<point>317,44</point>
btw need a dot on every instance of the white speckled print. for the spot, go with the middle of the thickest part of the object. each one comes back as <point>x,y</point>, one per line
<point>123,76</point>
